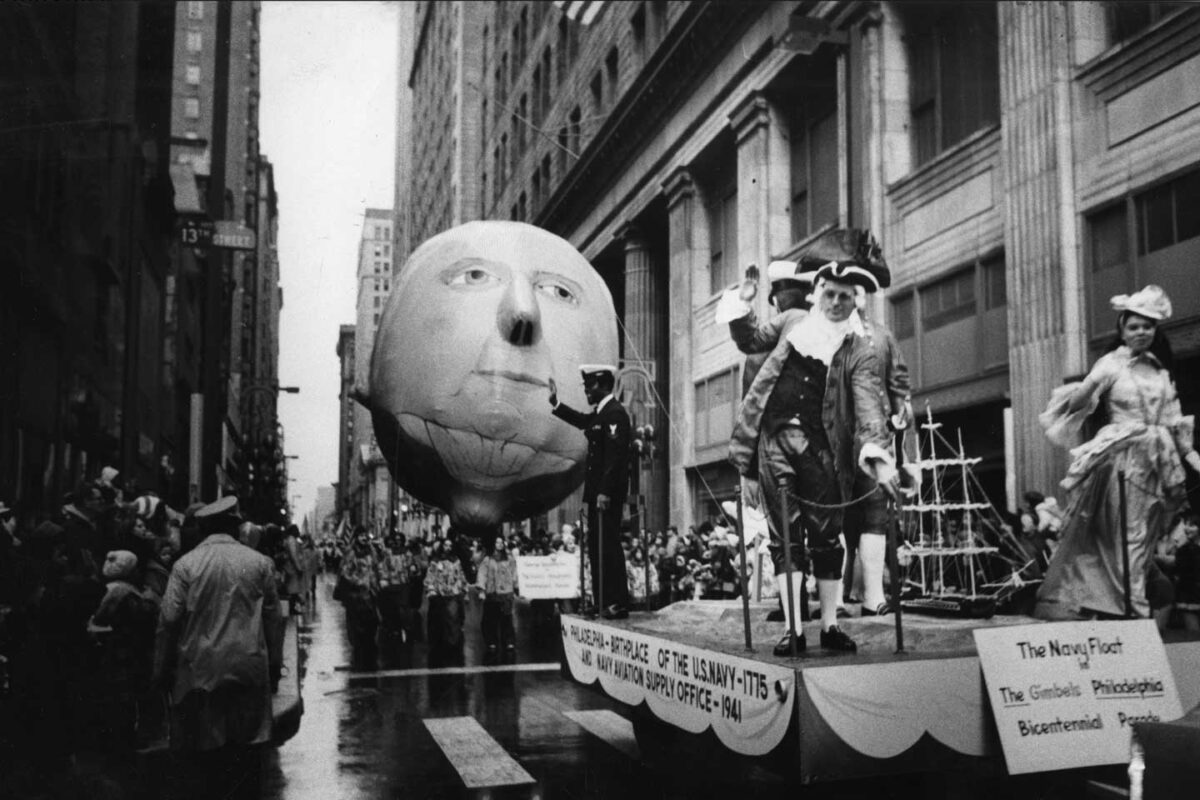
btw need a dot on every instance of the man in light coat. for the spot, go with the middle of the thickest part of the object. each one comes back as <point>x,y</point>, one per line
<point>219,653</point>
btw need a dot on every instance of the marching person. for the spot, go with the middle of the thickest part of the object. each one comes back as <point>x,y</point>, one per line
<point>813,407</point>
<point>606,482</point>
<point>219,653</point>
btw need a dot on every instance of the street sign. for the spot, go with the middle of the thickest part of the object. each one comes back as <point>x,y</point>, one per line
<point>233,236</point>
<point>195,231</point>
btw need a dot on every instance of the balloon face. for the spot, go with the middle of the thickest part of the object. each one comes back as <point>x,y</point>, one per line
<point>479,320</point>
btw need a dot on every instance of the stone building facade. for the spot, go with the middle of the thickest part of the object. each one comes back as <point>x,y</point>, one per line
<point>1019,162</point>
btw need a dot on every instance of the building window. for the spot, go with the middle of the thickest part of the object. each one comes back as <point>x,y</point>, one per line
<point>814,166</point>
<point>522,207</point>
<point>612,65</point>
<point>1167,214</point>
<point>192,74</point>
<point>716,408</point>
<point>195,9</point>
<point>954,73</point>
<point>722,227</point>
<point>995,283</point>
<point>948,300</point>
<point>537,95</point>
<point>377,298</point>
<point>1109,238</point>
<point>597,87</point>
<point>637,25</point>
<point>502,82</point>
<point>195,42</point>
<point>1124,20</point>
<point>521,123</point>
<point>575,132</point>
<point>544,99</point>
<point>904,321</point>
<point>191,107</point>
<point>658,20</point>
<point>546,188</point>
<point>387,249</point>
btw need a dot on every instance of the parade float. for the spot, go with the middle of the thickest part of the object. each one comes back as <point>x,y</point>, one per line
<point>484,315</point>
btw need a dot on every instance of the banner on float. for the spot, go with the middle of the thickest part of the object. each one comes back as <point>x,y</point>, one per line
<point>748,704</point>
<point>552,577</point>
<point>1066,694</point>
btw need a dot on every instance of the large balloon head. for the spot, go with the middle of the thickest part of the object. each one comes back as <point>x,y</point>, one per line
<point>479,320</point>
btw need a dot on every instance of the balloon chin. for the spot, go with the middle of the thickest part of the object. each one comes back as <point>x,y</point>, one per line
<point>478,477</point>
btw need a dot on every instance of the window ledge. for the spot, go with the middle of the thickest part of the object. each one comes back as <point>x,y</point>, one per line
<point>950,166</point>
<point>1127,64</point>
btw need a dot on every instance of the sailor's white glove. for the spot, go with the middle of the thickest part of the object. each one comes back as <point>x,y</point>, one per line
<point>731,306</point>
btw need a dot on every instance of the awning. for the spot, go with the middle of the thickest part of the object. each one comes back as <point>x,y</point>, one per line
<point>187,197</point>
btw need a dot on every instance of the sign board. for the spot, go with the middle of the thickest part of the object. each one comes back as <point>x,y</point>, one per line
<point>551,577</point>
<point>195,231</point>
<point>747,704</point>
<point>233,236</point>
<point>1067,694</point>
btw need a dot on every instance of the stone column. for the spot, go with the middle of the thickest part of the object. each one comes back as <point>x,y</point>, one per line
<point>686,258</point>
<point>1045,307</point>
<point>644,347</point>
<point>763,182</point>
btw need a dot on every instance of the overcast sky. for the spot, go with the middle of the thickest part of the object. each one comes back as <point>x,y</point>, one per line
<point>327,122</point>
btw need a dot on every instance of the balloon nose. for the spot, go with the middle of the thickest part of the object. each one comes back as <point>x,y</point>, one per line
<point>519,316</point>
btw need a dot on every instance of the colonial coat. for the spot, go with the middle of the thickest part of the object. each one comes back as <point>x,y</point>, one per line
<point>852,413</point>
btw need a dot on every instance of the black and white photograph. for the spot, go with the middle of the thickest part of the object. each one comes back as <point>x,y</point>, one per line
<point>573,399</point>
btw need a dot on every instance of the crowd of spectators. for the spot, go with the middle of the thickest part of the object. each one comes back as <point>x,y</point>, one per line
<point>80,594</point>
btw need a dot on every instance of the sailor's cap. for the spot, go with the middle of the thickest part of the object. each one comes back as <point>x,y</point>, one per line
<point>590,370</point>
<point>788,271</point>
<point>223,509</point>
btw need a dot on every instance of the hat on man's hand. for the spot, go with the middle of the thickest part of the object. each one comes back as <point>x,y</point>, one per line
<point>847,255</point>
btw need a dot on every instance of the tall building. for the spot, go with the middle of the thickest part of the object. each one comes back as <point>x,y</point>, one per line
<point>86,222</point>
<point>446,84</point>
<point>376,499</point>
<point>215,124</point>
<point>1019,163</point>
<point>348,479</point>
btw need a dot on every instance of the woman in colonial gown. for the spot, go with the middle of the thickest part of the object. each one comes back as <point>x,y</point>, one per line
<point>1146,437</point>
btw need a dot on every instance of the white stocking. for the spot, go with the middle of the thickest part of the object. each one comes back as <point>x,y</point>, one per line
<point>872,549</point>
<point>797,596</point>
<point>829,590</point>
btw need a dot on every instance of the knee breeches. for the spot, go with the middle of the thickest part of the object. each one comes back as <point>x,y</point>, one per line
<point>788,455</point>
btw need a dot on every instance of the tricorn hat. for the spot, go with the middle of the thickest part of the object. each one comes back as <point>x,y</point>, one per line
<point>847,255</point>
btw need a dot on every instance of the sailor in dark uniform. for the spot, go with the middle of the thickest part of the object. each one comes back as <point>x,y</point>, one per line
<point>606,482</point>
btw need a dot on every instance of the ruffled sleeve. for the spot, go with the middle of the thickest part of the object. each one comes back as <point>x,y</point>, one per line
<point>1063,427</point>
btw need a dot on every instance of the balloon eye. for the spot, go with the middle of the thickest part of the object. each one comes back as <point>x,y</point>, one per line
<point>558,291</point>
<point>472,277</point>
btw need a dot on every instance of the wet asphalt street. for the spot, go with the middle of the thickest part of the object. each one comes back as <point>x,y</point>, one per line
<point>412,724</point>
<point>450,726</point>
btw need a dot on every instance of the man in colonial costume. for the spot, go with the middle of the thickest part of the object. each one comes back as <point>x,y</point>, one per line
<point>812,419</point>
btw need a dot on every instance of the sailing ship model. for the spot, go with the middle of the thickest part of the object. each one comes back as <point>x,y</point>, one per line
<point>959,558</point>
